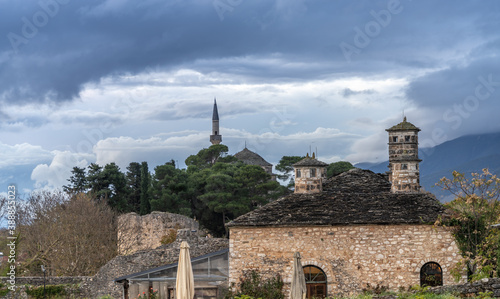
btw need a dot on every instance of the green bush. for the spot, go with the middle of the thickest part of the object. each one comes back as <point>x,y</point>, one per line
<point>50,291</point>
<point>253,286</point>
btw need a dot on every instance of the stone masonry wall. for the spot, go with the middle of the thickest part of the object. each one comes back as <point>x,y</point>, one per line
<point>351,256</point>
<point>137,232</point>
<point>403,161</point>
<point>472,289</point>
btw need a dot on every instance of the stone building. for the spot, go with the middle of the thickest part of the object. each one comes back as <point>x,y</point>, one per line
<point>248,157</point>
<point>403,157</point>
<point>355,232</point>
<point>309,175</point>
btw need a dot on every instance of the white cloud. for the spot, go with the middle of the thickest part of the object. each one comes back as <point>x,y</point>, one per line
<point>22,154</point>
<point>56,174</point>
<point>372,148</point>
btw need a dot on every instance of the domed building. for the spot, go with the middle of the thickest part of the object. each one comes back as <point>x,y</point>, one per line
<point>250,158</point>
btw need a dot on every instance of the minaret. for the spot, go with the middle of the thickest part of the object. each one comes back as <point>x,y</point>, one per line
<point>403,157</point>
<point>215,138</point>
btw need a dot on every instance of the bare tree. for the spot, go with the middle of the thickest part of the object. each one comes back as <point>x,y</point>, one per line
<point>70,236</point>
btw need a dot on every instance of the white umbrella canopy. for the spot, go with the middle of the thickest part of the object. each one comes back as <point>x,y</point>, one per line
<point>298,288</point>
<point>184,285</point>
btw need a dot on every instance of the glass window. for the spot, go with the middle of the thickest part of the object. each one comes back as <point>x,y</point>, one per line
<point>315,282</point>
<point>407,138</point>
<point>431,274</point>
<point>313,172</point>
<point>298,173</point>
<point>205,293</point>
<point>394,138</point>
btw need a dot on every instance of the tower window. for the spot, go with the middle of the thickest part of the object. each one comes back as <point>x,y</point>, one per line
<point>298,173</point>
<point>407,138</point>
<point>215,133</point>
<point>394,138</point>
<point>404,166</point>
<point>313,172</point>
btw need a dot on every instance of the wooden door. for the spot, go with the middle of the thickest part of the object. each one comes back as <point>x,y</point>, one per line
<point>316,290</point>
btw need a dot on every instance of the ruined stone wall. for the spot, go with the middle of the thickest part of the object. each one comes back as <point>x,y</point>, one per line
<point>137,232</point>
<point>351,256</point>
<point>472,289</point>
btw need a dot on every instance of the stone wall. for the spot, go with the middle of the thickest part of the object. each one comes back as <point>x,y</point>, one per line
<point>137,232</point>
<point>472,289</point>
<point>351,256</point>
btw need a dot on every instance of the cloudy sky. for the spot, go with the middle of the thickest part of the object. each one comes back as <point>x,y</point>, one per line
<point>124,80</point>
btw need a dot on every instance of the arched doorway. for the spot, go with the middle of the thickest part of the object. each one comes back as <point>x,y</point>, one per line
<point>315,282</point>
<point>431,274</point>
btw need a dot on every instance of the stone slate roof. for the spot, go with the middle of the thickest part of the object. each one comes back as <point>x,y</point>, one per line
<point>358,181</point>
<point>248,157</point>
<point>308,161</point>
<point>354,197</point>
<point>403,126</point>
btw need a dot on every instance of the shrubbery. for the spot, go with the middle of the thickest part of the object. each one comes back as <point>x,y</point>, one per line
<point>253,286</point>
<point>50,291</point>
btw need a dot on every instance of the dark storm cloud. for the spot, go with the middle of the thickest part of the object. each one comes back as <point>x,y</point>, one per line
<point>50,49</point>
<point>465,96</point>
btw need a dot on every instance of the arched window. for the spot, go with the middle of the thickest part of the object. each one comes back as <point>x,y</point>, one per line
<point>315,282</point>
<point>431,274</point>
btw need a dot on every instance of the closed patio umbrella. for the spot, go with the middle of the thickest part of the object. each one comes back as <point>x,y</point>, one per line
<point>298,288</point>
<point>184,285</point>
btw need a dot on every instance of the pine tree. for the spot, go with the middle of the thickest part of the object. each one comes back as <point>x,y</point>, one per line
<point>145,189</point>
<point>78,181</point>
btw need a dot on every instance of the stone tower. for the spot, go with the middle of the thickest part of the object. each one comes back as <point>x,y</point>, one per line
<point>403,157</point>
<point>309,175</point>
<point>215,138</point>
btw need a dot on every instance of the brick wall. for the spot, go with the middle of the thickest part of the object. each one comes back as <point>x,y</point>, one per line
<point>351,256</point>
